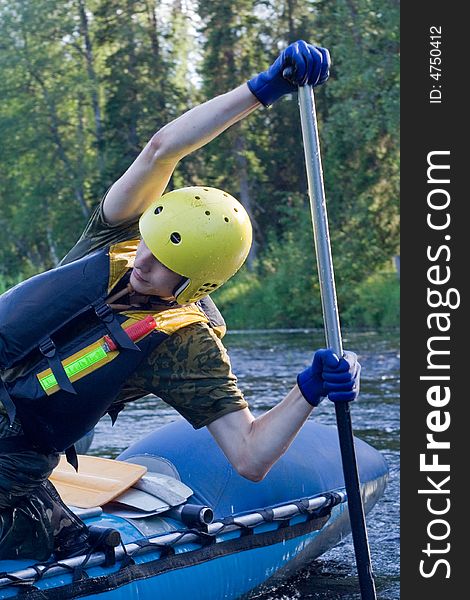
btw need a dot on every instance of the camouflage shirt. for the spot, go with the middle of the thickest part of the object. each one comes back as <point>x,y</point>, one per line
<point>191,369</point>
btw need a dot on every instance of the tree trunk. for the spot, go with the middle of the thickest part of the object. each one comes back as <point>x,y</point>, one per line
<point>133,137</point>
<point>244,186</point>
<point>152,22</point>
<point>292,37</point>
<point>356,32</point>
<point>77,185</point>
<point>89,57</point>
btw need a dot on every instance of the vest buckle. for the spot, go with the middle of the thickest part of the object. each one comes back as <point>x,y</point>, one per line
<point>49,350</point>
<point>105,313</point>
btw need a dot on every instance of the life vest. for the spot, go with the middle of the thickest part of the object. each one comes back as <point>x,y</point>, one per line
<point>65,354</point>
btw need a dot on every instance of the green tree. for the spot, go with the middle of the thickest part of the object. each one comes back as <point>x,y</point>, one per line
<point>361,132</point>
<point>143,74</point>
<point>358,121</point>
<point>85,84</point>
<point>232,54</point>
<point>45,154</point>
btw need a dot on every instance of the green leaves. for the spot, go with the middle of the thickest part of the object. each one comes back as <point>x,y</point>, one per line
<point>85,83</point>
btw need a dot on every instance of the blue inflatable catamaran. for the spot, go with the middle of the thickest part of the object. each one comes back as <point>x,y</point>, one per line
<point>225,538</point>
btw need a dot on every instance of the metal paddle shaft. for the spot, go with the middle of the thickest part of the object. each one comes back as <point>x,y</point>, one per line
<point>321,234</point>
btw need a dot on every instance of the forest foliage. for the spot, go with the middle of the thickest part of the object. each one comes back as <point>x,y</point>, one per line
<point>85,83</point>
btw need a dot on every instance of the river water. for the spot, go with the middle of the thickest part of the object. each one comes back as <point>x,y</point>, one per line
<point>266,364</point>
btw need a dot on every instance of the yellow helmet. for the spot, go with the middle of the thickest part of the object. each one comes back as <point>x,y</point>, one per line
<point>201,233</point>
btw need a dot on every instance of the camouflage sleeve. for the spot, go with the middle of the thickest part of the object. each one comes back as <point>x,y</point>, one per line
<point>98,234</point>
<point>191,371</point>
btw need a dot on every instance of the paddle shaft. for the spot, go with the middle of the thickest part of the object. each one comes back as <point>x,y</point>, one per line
<point>321,235</point>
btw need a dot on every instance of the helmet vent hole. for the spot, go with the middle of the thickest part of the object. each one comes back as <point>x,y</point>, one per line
<point>205,189</point>
<point>158,210</point>
<point>226,195</point>
<point>175,237</point>
<point>235,209</point>
<point>208,212</point>
<point>226,219</point>
<point>206,288</point>
<point>197,197</point>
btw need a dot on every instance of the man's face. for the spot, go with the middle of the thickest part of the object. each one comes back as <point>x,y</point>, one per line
<point>150,277</point>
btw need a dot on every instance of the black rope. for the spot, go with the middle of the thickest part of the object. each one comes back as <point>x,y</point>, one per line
<point>168,549</point>
<point>204,538</point>
<point>17,580</point>
<point>302,506</point>
<point>127,560</point>
<point>145,544</point>
<point>267,514</point>
<point>332,499</point>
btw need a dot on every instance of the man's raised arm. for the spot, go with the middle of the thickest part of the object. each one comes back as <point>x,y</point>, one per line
<point>147,177</point>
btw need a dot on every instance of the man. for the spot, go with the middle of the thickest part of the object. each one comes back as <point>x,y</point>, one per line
<point>143,255</point>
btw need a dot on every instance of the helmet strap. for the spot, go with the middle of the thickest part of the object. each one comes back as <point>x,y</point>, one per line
<point>181,286</point>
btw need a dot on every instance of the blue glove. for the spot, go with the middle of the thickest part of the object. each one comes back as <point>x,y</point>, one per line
<point>307,65</point>
<point>329,376</point>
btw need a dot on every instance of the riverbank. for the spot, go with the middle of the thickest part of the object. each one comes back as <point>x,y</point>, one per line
<point>279,300</point>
